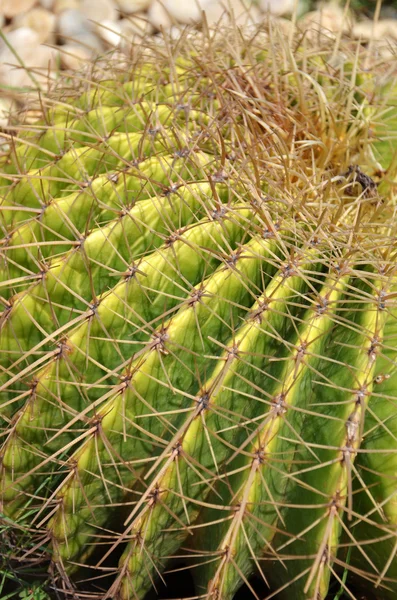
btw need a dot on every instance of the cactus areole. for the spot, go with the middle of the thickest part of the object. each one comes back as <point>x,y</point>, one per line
<point>199,324</point>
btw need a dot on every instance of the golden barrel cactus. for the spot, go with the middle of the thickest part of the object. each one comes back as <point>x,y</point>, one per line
<point>199,323</point>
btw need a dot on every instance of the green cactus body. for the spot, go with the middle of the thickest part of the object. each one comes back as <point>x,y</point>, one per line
<point>91,268</point>
<point>199,328</point>
<point>253,343</point>
<point>255,522</point>
<point>198,341</point>
<point>184,261</point>
<point>377,461</point>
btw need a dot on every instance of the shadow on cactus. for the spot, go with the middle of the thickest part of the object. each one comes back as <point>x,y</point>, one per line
<point>198,336</point>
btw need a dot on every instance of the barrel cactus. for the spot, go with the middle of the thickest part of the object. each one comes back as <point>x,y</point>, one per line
<point>199,323</point>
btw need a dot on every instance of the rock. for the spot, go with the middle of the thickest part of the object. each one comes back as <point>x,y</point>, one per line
<point>49,74</point>
<point>60,5</point>
<point>136,26</point>
<point>4,144</point>
<point>128,7</point>
<point>72,21</point>
<point>47,4</point>
<point>158,16</point>
<point>39,20</point>
<point>243,12</point>
<point>11,8</point>
<point>168,12</point>
<point>112,62</point>
<point>187,12</point>
<point>99,10</point>
<point>26,43</point>
<point>387,49</point>
<point>6,107</point>
<point>89,41</point>
<point>73,27</point>
<point>74,57</point>
<point>277,7</point>
<point>329,18</point>
<point>286,26</point>
<point>377,31</point>
<point>110,32</point>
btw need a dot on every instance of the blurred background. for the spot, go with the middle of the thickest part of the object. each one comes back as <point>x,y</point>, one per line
<point>41,39</point>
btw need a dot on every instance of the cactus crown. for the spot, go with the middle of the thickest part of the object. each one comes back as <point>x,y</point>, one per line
<point>198,336</point>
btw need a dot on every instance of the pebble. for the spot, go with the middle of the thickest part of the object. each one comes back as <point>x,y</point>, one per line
<point>71,22</point>
<point>41,20</point>
<point>113,62</point>
<point>26,43</point>
<point>158,16</point>
<point>74,57</point>
<point>330,19</point>
<point>128,7</point>
<point>243,14</point>
<point>134,26</point>
<point>187,12</point>
<point>166,13</point>
<point>11,8</point>
<point>99,10</point>
<point>84,28</point>
<point>110,32</point>
<point>47,4</point>
<point>6,107</point>
<point>277,7</point>
<point>73,27</point>
<point>61,5</point>
<point>284,25</point>
<point>377,31</point>
<point>4,144</point>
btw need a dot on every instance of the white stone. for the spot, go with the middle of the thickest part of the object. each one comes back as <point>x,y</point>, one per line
<point>387,28</point>
<point>60,5</point>
<point>99,10</point>
<point>285,26</point>
<point>184,12</point>
<point>277,7</point>
<point>110,32</point>
<point>47,4</point>
<point>11,8</point>
<point>47,76</point>
<point>74,57</point>
<point>40,20</point>
<point>73,27</point>
<point>129,7</point>
<point>71,22</point>
<point>166,13</point>
<point>388,49</point>
<point>111,62</point>
<point>330,19</point>
<point>6,106</point>
<point>243,12</point>
<point>135,26</point>
<point>158,16</point>
<point>26,44</point>
<point>4,144</point>
<point>187,12</point>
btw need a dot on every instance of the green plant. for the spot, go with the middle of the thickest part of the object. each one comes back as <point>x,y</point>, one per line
<point>199,325</point>
<point>35,593</point>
